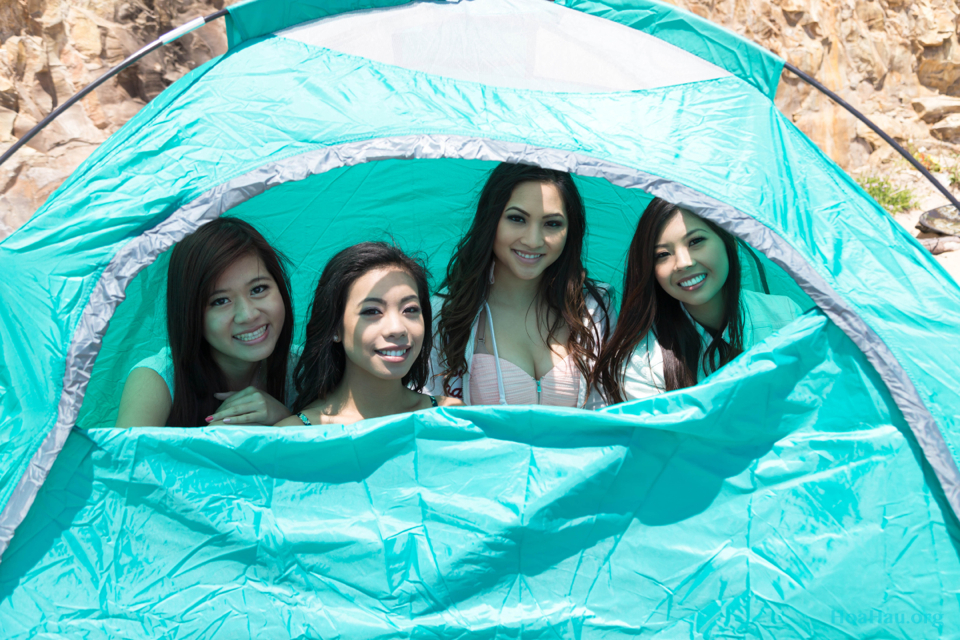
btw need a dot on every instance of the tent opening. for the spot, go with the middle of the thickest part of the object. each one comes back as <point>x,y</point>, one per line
<point>424,206</point>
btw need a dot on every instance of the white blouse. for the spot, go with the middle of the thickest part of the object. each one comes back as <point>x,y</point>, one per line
<point>763,315</point>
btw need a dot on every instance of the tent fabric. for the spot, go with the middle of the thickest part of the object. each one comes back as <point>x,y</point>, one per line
<point>678,27</point>
<point>522,44</point>
<point>676,516</point>
<point>857,417</point>
<point>739,56</point>
<point>258,18</point>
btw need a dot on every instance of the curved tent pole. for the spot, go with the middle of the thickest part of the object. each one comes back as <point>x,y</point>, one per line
<point>880,132</point>
<point>166,38</point>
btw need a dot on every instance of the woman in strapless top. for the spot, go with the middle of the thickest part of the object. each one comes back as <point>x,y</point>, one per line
<point>367,342</point>
<point>520,322</point>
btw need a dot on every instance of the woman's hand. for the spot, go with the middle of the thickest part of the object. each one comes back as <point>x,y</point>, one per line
<point>249,406</point>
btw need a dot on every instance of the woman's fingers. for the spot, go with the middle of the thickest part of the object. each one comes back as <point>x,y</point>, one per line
<point>232,408</point>
<point>236,410</point>
<point>248,394</point>
<point>247,413</point>
<point>249,406</point>
<point>256,416</point>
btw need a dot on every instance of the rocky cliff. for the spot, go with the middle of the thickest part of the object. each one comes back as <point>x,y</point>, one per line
<point>896,60</point>
<point>50,49</point>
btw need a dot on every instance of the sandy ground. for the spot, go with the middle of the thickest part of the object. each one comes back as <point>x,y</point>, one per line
<point>951,262</point>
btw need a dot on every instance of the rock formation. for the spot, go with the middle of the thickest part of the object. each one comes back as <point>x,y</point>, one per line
<point>50,49</point>
<point>898,61</point>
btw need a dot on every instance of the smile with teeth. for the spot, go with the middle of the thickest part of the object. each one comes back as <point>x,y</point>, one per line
<point>252,335</point>
<point>693,281</point>
<point>393,353</point>
<point>528,256</point>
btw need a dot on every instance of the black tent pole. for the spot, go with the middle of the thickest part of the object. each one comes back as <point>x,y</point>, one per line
<point>880,132</point>
<point>166,38</point>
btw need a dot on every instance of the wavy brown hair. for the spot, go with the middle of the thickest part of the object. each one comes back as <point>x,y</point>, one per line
<point>323,361</point>
<point>647,307</point>
<point>564,286</point>
<point>196,263</point>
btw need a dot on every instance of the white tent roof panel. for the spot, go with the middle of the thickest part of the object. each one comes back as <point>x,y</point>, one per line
<point>523,44</point>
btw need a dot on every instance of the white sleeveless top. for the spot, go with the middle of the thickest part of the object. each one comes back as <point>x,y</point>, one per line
<point>763,314</point>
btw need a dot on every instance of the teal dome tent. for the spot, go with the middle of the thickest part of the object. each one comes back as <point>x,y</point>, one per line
<point>808,489</point>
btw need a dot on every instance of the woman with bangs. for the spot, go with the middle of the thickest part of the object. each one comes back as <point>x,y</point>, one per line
<point>519,320</point>
<point>684,314</point>
<point>229,325</point>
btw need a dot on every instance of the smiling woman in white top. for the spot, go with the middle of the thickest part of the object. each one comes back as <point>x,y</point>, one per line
<point>684,315</point>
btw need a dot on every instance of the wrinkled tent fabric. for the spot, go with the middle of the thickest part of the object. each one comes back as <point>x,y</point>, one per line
<point>808,489</point>
<point>578,526</point>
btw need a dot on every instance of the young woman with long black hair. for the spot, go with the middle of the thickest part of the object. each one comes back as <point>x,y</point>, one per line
<point>229,324</point>
<point>684,314</point>
<point>521,323</point>
<point>367,347</point>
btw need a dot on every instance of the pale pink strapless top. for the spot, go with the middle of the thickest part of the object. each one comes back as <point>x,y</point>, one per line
<point>559,387</point>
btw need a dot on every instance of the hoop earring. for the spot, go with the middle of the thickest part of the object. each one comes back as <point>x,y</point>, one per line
<point>492,265</point>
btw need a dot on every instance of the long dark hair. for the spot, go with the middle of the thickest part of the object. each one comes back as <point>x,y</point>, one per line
<point>646,306</point>
<point>563,288</point>
<point>196,263</point>
<point>323,361</point>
